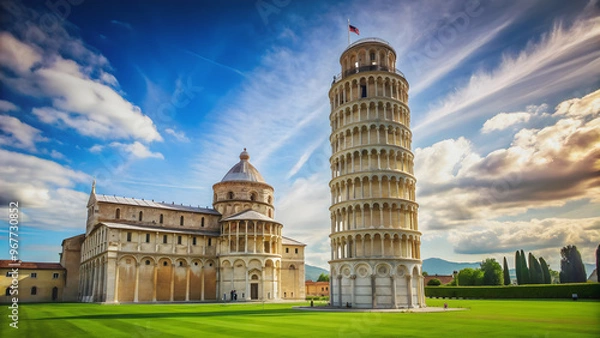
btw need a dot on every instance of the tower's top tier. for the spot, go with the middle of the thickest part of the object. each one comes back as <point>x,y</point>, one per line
<point>367,55</point>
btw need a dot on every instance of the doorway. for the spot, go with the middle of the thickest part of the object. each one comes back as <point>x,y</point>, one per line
<point>54,293</point>
<point>254,291</point>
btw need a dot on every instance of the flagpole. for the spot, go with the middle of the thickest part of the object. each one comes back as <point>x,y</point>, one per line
<point>348,30</point>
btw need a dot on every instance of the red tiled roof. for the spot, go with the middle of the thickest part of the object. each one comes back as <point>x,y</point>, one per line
<point>7,263</point>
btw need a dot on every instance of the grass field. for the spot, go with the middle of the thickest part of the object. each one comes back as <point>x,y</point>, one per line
<point>485,318</point>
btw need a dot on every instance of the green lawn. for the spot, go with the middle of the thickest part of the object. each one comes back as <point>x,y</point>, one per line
<point>485,318</point>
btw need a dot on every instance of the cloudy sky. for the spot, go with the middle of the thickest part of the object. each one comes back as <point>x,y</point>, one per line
<point>156,100</point>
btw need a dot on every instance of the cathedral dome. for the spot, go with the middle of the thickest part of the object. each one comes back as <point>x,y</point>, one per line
<point>243,171</point>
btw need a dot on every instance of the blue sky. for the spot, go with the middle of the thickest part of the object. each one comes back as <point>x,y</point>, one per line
<point>157,99</point>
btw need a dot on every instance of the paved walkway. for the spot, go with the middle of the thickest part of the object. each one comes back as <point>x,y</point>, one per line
<point>337,309</point>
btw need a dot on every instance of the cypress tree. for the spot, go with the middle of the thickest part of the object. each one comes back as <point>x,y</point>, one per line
<point>506,273</point>
<point>545,271</point>
<point>518,267</point>
<point>572,269</point>
<point>532,271</point>
<point>598,264</point>
<point>524,269</point>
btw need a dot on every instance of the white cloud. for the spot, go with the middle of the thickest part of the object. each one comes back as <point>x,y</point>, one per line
<point>503,121</point>
<point>303,210</point>
<point>57,155</point>
<point>468,194</point>
<point>88,104</point>
<point>44,190</point>
<point>14,133</point>
<point>503,237</point>
<point>17,56</point>
<point>96,148</point>
<point>136,150</point>
<point>6,106</point>
<point>178,135</point>
<point>539,64</point>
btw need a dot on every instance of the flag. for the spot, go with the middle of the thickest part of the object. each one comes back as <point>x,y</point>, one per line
<point>353,29</point>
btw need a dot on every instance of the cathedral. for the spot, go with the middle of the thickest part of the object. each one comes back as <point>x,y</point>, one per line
<point>137,250</point>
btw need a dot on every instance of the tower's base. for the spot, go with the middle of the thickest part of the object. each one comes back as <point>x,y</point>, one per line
<point>377,284</point>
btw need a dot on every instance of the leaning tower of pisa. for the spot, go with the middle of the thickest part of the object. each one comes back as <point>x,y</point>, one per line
<point>375,238</point>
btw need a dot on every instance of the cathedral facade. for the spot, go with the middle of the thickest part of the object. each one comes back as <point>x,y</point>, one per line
<point>135,250</point>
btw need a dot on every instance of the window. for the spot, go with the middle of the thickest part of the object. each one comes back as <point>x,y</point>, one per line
<point>269,199</point>
<point>178,239</point>
<point>147,262</point>
<point>372,56</point>
<point>8,274</point>
<point>363,91</point>
<point>322,289</point>
<point>161,219</point>
<point>296,250</point>
<point>327,288</point>
<point>180,263</point>
<point>181,220</point>
<point>129,237</point>
<point>287,250</point>
<point>34,291</point>
<point>118,213</point>
<point>165,263</point>
<point>284,294</point>
<point>209,241</point>
<point>230,195</point>
<point>193,240</point>
<point>7,292</point>
<point>147,238</point>
<point>140,216</point>
<point>55,275</point>
<point>165,239</point>
<point>202,222</point>
<point>253,196</point>
<point>33,275</point>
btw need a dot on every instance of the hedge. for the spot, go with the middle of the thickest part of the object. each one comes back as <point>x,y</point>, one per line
<point>326,298</point>
<point>583,290</point>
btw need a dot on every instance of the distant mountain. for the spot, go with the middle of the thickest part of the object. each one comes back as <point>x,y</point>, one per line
<point>432,266</point>
<point>313,272</point>
<point>439,266</point>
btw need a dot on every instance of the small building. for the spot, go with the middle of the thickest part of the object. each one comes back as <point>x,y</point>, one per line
<point>31,282</point>
<point>319,289</point>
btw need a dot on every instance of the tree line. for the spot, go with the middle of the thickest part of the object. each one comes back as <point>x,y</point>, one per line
<point>528,269</point>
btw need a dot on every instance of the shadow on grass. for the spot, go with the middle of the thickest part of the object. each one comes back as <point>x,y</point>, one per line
<point>158,315</point>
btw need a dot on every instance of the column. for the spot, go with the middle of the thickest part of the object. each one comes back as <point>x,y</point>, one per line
<point>340,290</point>
<point>373,291</point>
<point>263,282</point>
<point>93,279</point>
<point>246,238</point>
<point>410,291</point>
<point>394,301</point>
<point>171,298</point>
<point>352,286</point>
<point>187,284</point>
<point>137,283</point>
<point>154,280</point>
<point>116,299</point>
<point>218,271</point>
<point>273,282</point>
<point>202,283</point>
